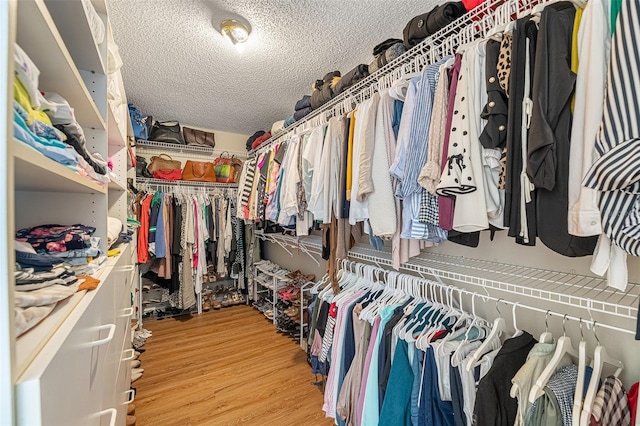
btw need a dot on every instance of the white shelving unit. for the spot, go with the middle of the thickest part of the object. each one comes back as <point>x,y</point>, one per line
<point>38,35</point>
<point>35,172</point>
<point>90,329</point>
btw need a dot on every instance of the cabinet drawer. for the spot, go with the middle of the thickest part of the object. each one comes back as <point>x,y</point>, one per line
<point>65,384</point>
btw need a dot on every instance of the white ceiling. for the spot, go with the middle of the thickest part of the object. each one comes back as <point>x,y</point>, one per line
<point>178,66</point>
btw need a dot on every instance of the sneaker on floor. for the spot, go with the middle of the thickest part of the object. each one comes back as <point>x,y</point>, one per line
<point>135,376</point>
<point>131,420</point>
<point>135,363</point>
<point>131,409</point>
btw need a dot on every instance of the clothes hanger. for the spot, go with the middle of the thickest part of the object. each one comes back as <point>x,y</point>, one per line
<point>452,312</point>
<point>458,327</point>
<point>563,348</point>
<point>517,332</point>
<point>582,365</point>
<point>475,322</point>
<point>436,320</point>
<point>600,357</point>
<point>546,336</point>
<point>422,317</point>
<point>499,327</point>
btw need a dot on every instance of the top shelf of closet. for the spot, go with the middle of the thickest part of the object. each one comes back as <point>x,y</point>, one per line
<point>73,24</point>
<point>145,145</point>
<point>38,36</point>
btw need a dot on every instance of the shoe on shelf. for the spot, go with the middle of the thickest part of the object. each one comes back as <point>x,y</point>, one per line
<point>206,306</point>
<point>135,375</point>
<point>131,409</point>
<point>215,304</point>
<point>131,421</point>
<point>137,354</point>
<point>135,363</point>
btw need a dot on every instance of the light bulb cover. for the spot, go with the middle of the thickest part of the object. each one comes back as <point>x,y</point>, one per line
<point>234,31</point>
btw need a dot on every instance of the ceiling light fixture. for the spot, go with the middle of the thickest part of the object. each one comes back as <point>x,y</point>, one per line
<point>236,32</point>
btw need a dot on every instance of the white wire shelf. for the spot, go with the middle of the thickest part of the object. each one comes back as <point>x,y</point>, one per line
<point>579,291</point>
<point>206,151</point>
<point>589,293</point>
<point>140,181</point>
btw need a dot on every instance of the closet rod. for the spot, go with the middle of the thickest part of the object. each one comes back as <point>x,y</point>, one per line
<point>475,23</point>
<point>485,297</point>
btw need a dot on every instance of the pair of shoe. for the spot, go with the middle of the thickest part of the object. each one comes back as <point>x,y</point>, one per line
<point>209,301</point>
<point>136,373</point>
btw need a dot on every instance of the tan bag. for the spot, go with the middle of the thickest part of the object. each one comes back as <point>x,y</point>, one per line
<point>198,171</point>
<point>163,162</point>
<point>198,137</point>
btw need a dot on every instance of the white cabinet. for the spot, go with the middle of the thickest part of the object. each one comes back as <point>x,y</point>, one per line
<point>82,375</point>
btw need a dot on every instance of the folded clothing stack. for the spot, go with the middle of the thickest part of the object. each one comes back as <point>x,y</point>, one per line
<point>52,263</point>
<point>260,140</point>
<point>422,26</point>
<point>46,122</point>
<point>303,108</point>
<point>253,137</point>
<point>386,52</point>
<point>44,246</point>
<point>323,89</point>
<point>352,77</point>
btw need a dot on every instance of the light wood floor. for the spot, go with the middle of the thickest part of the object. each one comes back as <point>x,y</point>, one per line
<point>226,367</point>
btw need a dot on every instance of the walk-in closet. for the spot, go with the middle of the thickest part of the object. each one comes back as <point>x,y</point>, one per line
<point>343,213</point>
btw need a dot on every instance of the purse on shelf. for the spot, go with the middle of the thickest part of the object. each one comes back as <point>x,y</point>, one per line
<point>198,171</point>
<point>163,162</point>
<point>142,168</point>
<point>198,137</point>
<point>166,131</point>
<point>140,123</point>
<point>164,174</point>
<point>227,168</point>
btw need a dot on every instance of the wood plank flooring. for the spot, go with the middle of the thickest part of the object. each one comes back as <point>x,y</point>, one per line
<point>226,367</point>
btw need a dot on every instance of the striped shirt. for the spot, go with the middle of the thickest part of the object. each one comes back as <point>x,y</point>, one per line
<point>616,173</point>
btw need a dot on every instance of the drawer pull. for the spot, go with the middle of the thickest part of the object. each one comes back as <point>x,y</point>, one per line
<point>127,268</point>
<point>112,332</point>
<point>130,357</point>
<point>128,312</point>
<point>132,396</point>
<point>113,412</point>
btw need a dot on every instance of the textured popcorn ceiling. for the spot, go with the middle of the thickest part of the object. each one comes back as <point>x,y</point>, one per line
<point>178,66</point>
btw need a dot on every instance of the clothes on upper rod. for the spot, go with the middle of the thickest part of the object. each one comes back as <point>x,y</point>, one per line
<point>394,357</point>
<point>504,134</point>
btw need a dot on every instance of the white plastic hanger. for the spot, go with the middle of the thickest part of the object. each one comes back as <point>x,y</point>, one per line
<point>582,366</point>
<point>517,331</point>
<point>424,340</point>
<point>475,322</point>
<point>563,348</point>
<point>600,357</point>
<point>499,327</point>
<point>545,337</point>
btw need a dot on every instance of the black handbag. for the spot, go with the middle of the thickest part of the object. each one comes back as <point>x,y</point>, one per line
<point>141,167</point>
<point>167,131</point>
